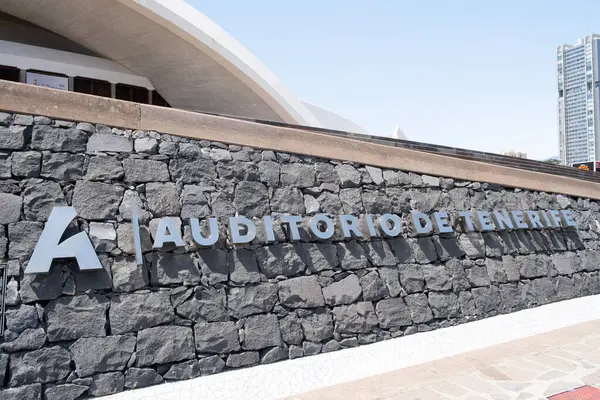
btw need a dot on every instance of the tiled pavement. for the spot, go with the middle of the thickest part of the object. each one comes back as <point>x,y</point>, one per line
<point>532,368</point>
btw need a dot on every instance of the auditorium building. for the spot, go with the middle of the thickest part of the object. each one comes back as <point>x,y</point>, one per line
<point>176,224</point>
<point>162,53</point>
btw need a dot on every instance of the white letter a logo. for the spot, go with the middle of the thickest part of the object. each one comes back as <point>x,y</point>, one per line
<point>48,247</point>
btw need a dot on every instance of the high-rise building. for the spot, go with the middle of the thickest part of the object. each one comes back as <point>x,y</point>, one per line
<point>578,101</point>
<point>513,153</point>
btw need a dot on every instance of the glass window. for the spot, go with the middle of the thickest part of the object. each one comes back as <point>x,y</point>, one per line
<point>9,73</point>
<point>91,86</point>
<point>139,95</point>
<point>123,92</point>
<point>82,85</point>
<point>102,89</point>
<point>132,93</point>
<point>158,100</point>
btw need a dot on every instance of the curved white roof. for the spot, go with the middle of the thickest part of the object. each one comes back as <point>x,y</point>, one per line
<point>191,61</point>
<point>233,56</point>
<point>331,120</point>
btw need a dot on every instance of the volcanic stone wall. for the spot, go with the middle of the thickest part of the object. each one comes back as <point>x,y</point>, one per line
<point>190,311</point>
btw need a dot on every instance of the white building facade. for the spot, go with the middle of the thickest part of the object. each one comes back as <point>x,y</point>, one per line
<point>578,97</point>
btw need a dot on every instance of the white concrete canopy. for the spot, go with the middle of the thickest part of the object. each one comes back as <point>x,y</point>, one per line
<point>192,62</point>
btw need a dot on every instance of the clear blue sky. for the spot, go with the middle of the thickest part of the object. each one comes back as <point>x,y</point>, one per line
<point>474,74</point>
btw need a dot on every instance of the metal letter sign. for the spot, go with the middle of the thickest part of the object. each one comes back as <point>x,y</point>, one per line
<point>48,247</point>
<point>323,227</point>
<point>3,287</point>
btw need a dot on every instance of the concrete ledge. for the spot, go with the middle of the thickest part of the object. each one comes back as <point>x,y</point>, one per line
<point>20,98</point>
<point>58,104</point>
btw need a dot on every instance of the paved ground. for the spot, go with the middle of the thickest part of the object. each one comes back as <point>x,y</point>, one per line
<point>532,368</point>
